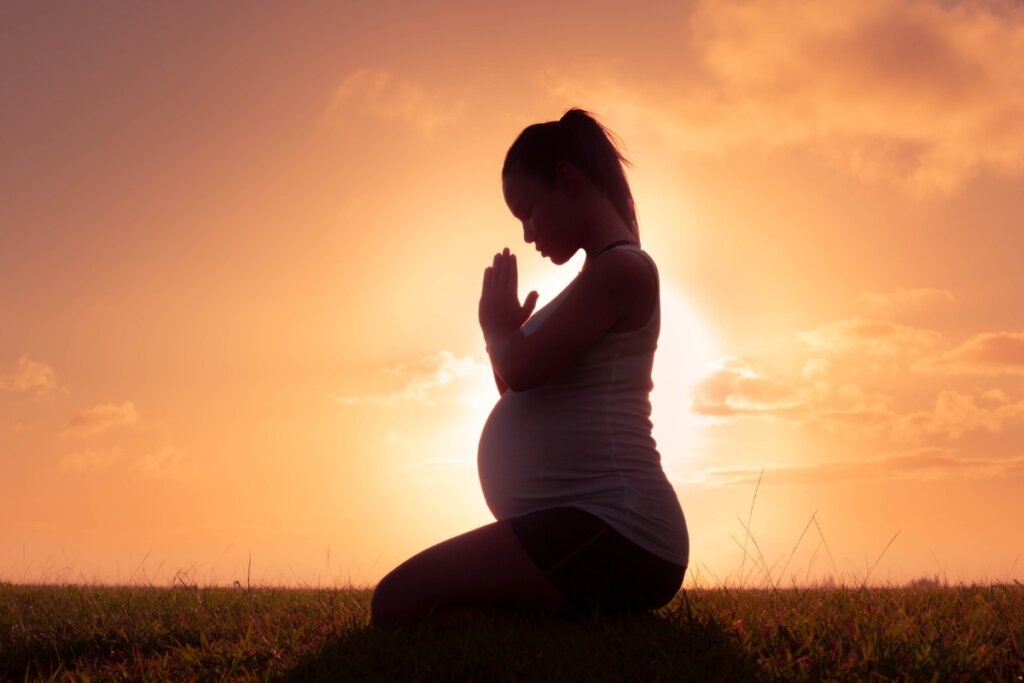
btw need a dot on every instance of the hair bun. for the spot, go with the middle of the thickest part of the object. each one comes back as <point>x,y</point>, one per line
<point>576,115</point>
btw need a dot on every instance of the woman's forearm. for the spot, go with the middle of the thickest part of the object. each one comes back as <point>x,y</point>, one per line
<point>506,352</point>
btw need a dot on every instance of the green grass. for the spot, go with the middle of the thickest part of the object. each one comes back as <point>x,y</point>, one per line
<point>187,632</point>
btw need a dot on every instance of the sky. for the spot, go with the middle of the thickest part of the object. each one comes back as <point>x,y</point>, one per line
<point>241,247</point>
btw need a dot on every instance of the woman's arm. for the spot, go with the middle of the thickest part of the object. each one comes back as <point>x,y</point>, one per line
<point>606,291</point>
<point>502,387</point>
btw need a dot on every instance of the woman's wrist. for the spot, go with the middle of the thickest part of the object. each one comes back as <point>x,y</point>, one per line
<point>505,354</point>
<point>495,340</point>
<point>498,343</point>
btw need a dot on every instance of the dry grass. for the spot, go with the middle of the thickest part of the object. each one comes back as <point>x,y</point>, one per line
<point>188,632</point>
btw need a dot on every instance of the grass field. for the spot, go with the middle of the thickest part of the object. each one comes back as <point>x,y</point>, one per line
<point>188,632</point>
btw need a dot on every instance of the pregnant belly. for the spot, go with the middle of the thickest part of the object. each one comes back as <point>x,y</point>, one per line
<point>506,455</point>
<point>534,453</point>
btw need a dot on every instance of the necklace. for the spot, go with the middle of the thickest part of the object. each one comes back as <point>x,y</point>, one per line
<point>610,246</point>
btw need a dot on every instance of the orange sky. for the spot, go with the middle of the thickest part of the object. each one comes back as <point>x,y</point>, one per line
<point>240,253</point>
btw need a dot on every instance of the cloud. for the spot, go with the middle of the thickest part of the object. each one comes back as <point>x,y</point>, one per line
<point>163,463</point>
<point>422,380</point>
<point>992,353</point>
<point>870,337</point>
<point>380,94</point>
<point>905,298</point>
<point>955,414</point>
<point>815,367</point>
<point>918,93</point>
<point>30,376</point>
<point>89,459</point>
<point>101,418</point>
<point>166,462</point>
<point>918,464</point>
<point>736,387</point>
<point>850,408</point>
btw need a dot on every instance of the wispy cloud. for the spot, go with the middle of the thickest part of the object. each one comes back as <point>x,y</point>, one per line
<point>991,353</point>
<point>955,414</point>
<point>383,95</point>
<point>923,93</point>
<point>30,377</point>
<point>736,387</point>
<point>89,459</point>
<point>850,408</point>
<point>815,367</point>
<point>905,299</point>
<point>422,380</point>
<point>167,462</point>
<point>739,389</point>
<point>869,337</point>
<point>920,464</point>
<point>101,418</point>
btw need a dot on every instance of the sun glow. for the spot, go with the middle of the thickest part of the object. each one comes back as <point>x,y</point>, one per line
<point>686,351</point>
<point>548,280</point>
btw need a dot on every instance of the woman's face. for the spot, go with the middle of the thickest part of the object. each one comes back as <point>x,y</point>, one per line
<point>547,215</point>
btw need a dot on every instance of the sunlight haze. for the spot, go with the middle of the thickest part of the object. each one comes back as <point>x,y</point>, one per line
<point>241,248</point>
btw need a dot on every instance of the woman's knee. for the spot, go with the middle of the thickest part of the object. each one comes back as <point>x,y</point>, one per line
<point>385,605</point>
<point>395,601</point>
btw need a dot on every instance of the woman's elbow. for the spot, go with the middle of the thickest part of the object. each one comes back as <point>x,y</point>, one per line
<point>521,379</point>
<point>515,367</point>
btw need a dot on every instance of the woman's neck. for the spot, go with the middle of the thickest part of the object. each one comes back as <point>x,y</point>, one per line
<point>604,230</point>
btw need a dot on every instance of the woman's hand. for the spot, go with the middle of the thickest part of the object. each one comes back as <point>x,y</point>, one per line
<point>613,286</point>
<point>500,311</point>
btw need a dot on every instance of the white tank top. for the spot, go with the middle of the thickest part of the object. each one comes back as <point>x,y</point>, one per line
<point>583,439</point>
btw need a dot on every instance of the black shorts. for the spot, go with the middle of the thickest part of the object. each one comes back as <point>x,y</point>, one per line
<point>595,567</point>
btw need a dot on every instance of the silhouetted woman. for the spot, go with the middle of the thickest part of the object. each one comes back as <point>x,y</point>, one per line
<point>587,522</point>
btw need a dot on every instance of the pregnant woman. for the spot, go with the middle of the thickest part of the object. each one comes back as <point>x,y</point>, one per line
<point>587,522</point>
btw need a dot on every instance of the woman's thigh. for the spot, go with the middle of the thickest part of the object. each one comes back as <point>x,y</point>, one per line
<point>592,564</point>
<point>485,567</point>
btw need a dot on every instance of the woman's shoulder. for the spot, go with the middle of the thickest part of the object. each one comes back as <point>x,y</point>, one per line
<point>626,266</point>
<point>629,274</point>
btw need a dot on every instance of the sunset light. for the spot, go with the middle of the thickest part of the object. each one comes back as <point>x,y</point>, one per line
<point>242,249</point>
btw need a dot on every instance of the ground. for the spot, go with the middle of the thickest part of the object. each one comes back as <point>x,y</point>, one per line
<point>188,632</point>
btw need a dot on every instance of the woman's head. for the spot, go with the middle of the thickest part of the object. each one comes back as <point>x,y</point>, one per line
<point>552,156</point>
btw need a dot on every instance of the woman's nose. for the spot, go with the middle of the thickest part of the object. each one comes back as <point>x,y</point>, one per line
<point>527,234</point>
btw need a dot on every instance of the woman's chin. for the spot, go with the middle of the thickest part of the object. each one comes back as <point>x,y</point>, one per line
<point>559,259</point>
